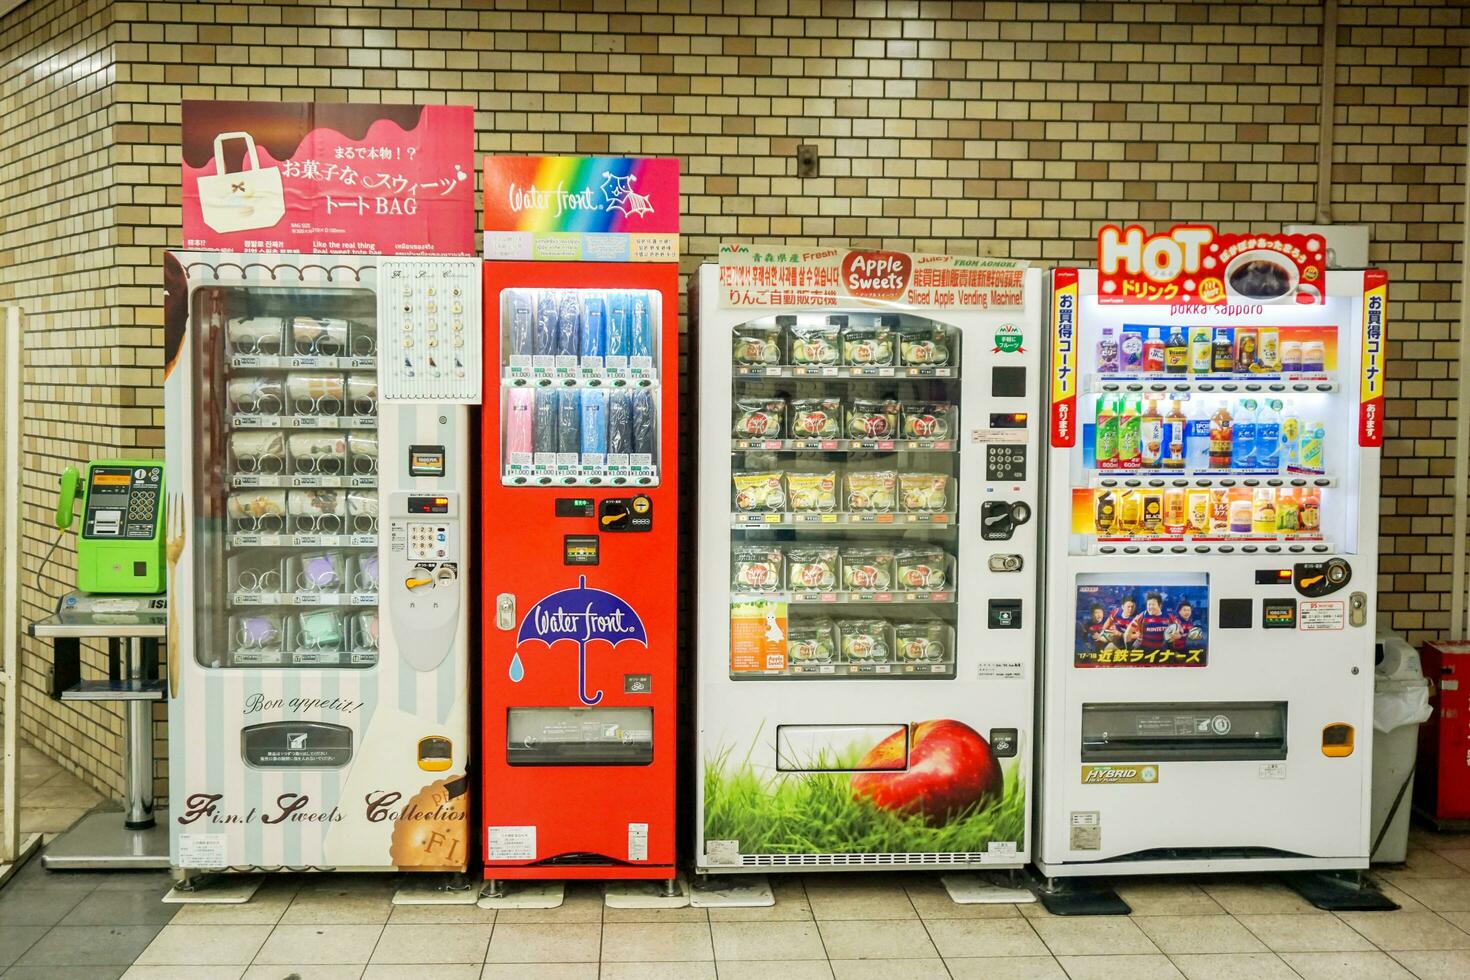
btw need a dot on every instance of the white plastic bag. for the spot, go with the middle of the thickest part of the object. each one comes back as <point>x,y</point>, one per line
<point>1400,691</point>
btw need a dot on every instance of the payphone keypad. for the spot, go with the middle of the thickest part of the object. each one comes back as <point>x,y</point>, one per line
<point>122,502</point>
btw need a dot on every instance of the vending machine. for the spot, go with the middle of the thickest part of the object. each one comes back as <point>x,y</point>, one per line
<point>1212,521</point>
<point>869,461</point>
<point>579,506</point>
<point>316,536</point>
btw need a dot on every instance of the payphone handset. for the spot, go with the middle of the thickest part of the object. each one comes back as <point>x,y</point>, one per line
<point>120,545</point>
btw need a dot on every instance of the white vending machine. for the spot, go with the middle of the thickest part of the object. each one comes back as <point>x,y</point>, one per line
<point>1211,524</point>
<point>869,439</point>
<point>318,528</point>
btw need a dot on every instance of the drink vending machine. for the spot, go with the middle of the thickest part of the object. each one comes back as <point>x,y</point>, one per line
<point>867,571</point>
<point>318,466</point>
<point>1216,418</point>
<point>579,506</point>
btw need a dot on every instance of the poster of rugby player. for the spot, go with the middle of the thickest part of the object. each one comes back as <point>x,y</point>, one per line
<point>1142,625</point>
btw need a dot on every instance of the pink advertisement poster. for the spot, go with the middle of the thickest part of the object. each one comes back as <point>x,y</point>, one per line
<point>345,179</point>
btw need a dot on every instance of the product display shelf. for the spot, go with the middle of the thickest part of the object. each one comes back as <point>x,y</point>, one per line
<point>301,362</point>
<point>1190,544</point>
<point>876,671</point>
<point>520,376</point>
<point>750,372</point>
<point>1129,479</point>
<point>580,476</point>
<point>244,421</point>
<point>890,519</point>
<point>844,445</point>
<point>1211,384</point>
<point>837,597</point>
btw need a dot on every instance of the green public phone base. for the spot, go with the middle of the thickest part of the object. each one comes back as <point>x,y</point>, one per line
<point>120,547</point>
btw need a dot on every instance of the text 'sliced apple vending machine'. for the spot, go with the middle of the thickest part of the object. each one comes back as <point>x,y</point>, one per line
<point>580,498</point>
<point>1212,515</point>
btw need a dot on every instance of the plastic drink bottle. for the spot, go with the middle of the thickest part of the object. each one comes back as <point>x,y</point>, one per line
<point>1223,350</point>
<point>1129,434</point>
<point>1263,511</point>
<point>1268,348</point>
<point>1197,437</point>
<point>1200,351</point>
<point>1153,352</point>
<point>1309,517</point>
<point>1176,437</point>
<point>1130,350</point>
<point>594,314</point>
<point>1313,435</point>
<point>521,326</point>
<point>1245,349</point>
<point>1288,511</point>
<point>1291,434</point>
<point>1243,436</point>
<point>618,339</point>
<point>1151,436</point>
<point>1176,351</point>
<point>1268,436</point>
<point>1105,434</point>
<point>1106,515</point>
<point>1107,352</point>
<point>1221,438</point>
<point>1176,514</point>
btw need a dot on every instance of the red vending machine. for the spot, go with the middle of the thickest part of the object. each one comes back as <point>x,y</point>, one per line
<point>580,502</point>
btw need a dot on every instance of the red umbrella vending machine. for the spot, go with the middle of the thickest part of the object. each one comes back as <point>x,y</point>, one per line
<point>579,498</point>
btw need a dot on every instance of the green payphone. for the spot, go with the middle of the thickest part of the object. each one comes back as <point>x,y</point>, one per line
<point>120,547</point>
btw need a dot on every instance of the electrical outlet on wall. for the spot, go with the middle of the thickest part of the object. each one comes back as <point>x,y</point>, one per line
<point>807,160</point>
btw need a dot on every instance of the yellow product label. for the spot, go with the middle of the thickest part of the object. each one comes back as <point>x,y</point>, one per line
<point>1115,775</point>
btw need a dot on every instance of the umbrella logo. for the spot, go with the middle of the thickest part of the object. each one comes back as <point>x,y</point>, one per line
<point>580,615</point>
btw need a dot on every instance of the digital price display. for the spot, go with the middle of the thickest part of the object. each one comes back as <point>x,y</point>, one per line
<point>428,505</point>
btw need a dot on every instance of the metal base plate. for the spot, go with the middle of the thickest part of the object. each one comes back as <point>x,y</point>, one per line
<point>436,889</point>
<point>1339,892</point>
<point>25,849</point>
<point>731,892</point>
<point>645,894</point>
<point>216,889</point>
<point>100,842</point>
<point>524,895</point>
<point>1080,897</point>
<point>984,889</point>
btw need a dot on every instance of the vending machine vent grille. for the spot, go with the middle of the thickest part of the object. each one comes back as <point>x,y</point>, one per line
<point>860,860</point>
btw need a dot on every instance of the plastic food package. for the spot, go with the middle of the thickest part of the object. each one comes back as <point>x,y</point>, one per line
<point>257,334</point>
<point>816,418</point>
<point>362,394</point>
<point>544,339</point>
<point>872,491</point>
<point>759,418</point>
<point>815,344</point>
<point>254,573</point>
<point>756,568</point>
<point>569,421</point>
<point>319,630</point>
<point>863,641</point>
<point>362,508</point>
<point>568,330</point>
<point>315,394</point>
<point>812,491</point>
<point>922,569</point>
<point>322,452</point>
<point>811,641</point>
<point>619,423</point>
<point>543,422</point>
<point>257,395</point>
<point>520,441</point>
<point>872,418</point>
<point>811,567</point>
<point>261,511</point>
<point>594,423</point>
<point>643,423</point>
<point>922,641</point>
<point>362,450</point>
<point>757,345</point>
<point>759,491</point>
<point>924,346</point>
<point>594,315</point>
<point>640,326</point>
<point>928,420</point>
<point>256,631</point>
<point>318,571</point>
<point>867,569</point>
<point>318,511</point>
<point>320,336</point>
<point>618,340</point>
<point>924,492</point>
<point>258,451</point>
<point>520,328</point>
<point>867,346</point>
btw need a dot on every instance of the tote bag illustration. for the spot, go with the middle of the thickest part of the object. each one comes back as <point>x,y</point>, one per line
<point>250,198</point>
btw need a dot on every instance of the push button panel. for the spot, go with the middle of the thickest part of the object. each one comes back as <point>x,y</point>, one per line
<point>1005,462</point>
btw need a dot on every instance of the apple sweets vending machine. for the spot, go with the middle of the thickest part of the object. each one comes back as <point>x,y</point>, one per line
<point>579,508</point>
<point>318,460</point>
<point>867,559</point>
<point>1216,417</point>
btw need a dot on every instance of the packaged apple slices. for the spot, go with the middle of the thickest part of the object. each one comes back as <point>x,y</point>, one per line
<point>756,568</point>
<point>869,345</point>
<point>816,344</point>
<point>811,641</point>
<point>812,492</point>
<point>816,418</point>
<point>863,641</point>
<point>811,567</point>
<point>867,569</point>
<point>922,569</point>
<point>924,345</point>
<point>871,492</point>
<point>755,345</point>
<point>760,491</point>
<point>759,418</point>
<point>922,641</point>
<point>872,418</point>
<point>926,493</point>
<point>928,420</point>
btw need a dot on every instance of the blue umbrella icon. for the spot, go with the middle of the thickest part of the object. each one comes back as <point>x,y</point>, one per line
<point>582,615</point>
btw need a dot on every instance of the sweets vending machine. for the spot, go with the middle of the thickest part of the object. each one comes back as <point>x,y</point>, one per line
<point>867,559</point>
<point>318,468</point>
<point>580,506</point>
<point>1212,514</point>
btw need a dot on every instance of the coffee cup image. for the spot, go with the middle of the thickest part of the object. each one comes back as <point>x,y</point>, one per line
<point>1261,275</point>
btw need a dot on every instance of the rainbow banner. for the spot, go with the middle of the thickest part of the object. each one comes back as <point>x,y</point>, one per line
<point>582,209</point>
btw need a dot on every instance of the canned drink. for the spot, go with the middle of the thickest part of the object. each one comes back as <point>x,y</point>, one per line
<point>1291,355</point>
<point>1198,504</point>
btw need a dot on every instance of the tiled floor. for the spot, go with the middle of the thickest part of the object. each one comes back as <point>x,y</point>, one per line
<point>835,926</point>
<point>51,799</point>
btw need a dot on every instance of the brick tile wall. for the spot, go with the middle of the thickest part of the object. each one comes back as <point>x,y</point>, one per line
<point>1001,128</point>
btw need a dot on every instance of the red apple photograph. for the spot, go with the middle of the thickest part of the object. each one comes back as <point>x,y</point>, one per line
<point>951,769</point>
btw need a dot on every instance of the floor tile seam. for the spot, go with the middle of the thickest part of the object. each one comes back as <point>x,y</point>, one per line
<point>1408,969</point>
<point>1268,952</point>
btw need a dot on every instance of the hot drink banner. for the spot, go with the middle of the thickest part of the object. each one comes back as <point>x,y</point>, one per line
<point>783,275</point>
<point>1195,264</point>
<point>337,179</point>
